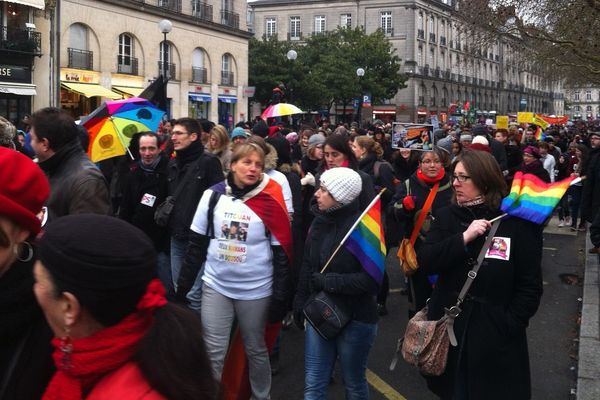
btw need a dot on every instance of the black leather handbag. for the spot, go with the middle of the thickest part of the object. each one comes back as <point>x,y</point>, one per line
<point>327,314</point>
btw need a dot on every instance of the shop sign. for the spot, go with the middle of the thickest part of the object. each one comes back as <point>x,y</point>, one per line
<point>77,75</point>
<point>14,73</point>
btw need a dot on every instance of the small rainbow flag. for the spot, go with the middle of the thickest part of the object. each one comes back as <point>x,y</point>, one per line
<point>366,241</point>
<point>532,199</point>
<point>539,134</point>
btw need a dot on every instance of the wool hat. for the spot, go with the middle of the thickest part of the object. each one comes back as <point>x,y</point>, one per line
<point>532,150</point>
<point>597,133</point>
<point>104,261</point>
<point>316,139</point>
<point>445,144</point>
<point>7,133</point>
<point>292,137</point>
<point>480,147</point>
<point>479,130</point>
<point>466,138</point>
<point>23,189</point>
<point>237,132</point>
<point>343,184</point>
<point>481,140</point>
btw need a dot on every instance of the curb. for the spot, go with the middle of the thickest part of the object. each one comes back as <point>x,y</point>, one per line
<point>588,379</point>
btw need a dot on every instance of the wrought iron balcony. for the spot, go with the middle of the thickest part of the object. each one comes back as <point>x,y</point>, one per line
<point>432,37</point>
<point>447,76</point>
<point>82,59</point>
<point>230,18</point>
<point>202,11</point>
<point>21,40</point>
<point>458,46</point>
<point>432,101</point>
<point>421,34</point>
<point>227,78</point>
<point>421,100</point>
<point>171,70</point>
<point>127,65</point>
<point>426,70</point>
<point>436,72</point>
<point>171,5</point>
<point>443,41</point>
<point>294,36</point>
<point>199,75</point>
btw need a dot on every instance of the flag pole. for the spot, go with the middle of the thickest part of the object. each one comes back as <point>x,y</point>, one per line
<point>352,228</point>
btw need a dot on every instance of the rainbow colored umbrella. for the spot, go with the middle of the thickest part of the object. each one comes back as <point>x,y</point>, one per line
<point>112,125</point>
<point>280,109</point>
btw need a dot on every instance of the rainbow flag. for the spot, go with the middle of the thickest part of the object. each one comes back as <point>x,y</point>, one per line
<point>366,240</point>
<point>532,199</point>
<point>539,133</point>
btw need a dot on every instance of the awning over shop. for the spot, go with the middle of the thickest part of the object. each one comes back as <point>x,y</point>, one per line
<point>31,3</point>
<point>130,91</point>
<point>201,97</point>
<point>91,90</point>
<point>227,99</point>
<point>21,90</point>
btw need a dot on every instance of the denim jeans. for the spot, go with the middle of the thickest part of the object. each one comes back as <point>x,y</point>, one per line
<point>163,270</point>
<point>194,296</point>
<point>352,348</point>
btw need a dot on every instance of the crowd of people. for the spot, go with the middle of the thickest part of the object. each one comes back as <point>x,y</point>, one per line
<point>153,264</point>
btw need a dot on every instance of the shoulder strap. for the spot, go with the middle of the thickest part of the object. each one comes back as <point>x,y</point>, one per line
<point>376,169</point>
<point>212,203</point>
<point>424,212</point>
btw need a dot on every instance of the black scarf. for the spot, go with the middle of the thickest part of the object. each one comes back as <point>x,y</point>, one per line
<point>239,192</point>
<point>189,154</point>
<point>51,165</point>
<point>18,307</point>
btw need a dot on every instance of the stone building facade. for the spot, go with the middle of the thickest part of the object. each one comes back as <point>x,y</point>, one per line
<point>584,102</point>
<point>114,49</point>
<point>443,67</point>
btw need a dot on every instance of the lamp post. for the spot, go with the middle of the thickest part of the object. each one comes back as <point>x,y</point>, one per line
<point>360,72</point>
<point>165,27</point>
<point>291,56</point>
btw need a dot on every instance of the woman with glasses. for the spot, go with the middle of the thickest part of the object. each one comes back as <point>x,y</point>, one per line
<point>408,203</point>
<point>491,359</point>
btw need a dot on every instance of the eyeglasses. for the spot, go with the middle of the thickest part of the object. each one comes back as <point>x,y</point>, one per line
<point>460,178</point>
<point>427,162</point>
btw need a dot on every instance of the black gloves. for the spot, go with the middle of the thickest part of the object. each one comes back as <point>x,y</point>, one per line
<point>331,282</point>
<point>277,310</point>
<point>317,282</point>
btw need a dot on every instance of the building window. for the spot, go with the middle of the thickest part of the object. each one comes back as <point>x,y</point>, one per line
<point>320,24</point>
<point>126,62</point>
<point>420,21</point>
<point>577,109</point>
<point>432,24</point>
<point>79,56</point>
<point>386,23</point>
<point>432,57</point>
<point>346,20</point>
<point>420,56</point>
<point>588,109</point>
<point>576,96</point>
<point>588,95</point>
<point>271,26</point>
<point>226,73</point>
<point>199,73</point>
<point>295,29</point>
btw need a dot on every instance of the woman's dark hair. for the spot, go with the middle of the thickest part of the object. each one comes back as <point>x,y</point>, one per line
<point>340,143</point>
<point>172,356</point>
<point>485,174</point>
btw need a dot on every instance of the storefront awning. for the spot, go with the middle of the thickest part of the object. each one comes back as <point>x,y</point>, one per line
<point>21,90</point>
<point>201,97</point>
<point>227,99</point>
<point>130,91</point>
<point>31,3</point>
<point>91,90</point>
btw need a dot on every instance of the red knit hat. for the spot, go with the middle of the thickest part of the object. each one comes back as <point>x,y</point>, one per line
<point>23,189</point>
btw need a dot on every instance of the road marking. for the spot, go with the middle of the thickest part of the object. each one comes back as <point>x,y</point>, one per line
<point>549,248</point>
<point>395,290</point>
<point>378,384</point>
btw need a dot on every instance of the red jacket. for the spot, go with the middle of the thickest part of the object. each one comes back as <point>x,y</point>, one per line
<point>126,383</point>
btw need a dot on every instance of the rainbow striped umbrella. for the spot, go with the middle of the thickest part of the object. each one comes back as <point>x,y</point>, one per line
<point>279,110</point>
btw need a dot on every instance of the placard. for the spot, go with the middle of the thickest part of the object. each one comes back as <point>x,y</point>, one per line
<point>502,122</point>
<point>412,136</point>
<point>525,117</point>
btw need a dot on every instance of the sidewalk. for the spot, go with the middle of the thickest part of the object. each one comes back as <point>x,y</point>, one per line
<point>588,381</point>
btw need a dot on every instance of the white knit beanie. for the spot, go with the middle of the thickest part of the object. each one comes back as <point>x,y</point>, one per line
<point>344,184</point>
<point>481,140</point>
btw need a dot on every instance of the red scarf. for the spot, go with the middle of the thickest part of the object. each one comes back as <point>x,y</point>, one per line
<point>430,181</point>
<point>93,357</point>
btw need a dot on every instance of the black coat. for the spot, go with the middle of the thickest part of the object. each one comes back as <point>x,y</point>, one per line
<point>590,197</point>
<point>492,357</point>
<point>207,172</point>
<point>356,288</point>
<point>536,168</point>
<point>139,211</point>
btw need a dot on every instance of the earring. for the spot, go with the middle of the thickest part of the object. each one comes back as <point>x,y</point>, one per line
<point>66,349</point>
<point>29,252</point>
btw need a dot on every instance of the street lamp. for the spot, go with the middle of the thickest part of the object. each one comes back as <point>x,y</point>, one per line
<point>165,27</point>
<point>291,56</point>
<point>360,72</point>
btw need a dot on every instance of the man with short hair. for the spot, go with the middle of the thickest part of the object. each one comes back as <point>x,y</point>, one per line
<point>76,185</point>
<point>547,159</point>
<point>590,196</point>
<point>145,188</point>
<point>190,173</point>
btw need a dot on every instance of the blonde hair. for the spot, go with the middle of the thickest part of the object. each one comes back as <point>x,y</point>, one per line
<point>369,144</point>
<point>242,150</point>
<point>222,136</point>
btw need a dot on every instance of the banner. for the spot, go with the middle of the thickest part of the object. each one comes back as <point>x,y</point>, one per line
<point>525,117</point>
<point>502,122</point>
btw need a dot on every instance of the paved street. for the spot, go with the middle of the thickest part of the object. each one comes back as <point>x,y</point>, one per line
<point>552,335</point>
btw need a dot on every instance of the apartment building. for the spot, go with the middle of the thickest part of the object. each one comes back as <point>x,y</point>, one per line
<point>445,70</point>
<point>584,102</point>
<point>111,49</point>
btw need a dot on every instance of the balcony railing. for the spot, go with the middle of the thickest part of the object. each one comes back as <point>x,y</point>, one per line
<point>426,70</point>
<point>23,40</point>
<point>388,31</point>
<point>230,18</point>
<point>432,101</point>
<point>458,46</point>
<point>227,78</point>
<point>497,57</point>
<point>421,34</point>
<point>171,69</point>
<point>127,65</point>
<point>421,100</point>
<point>171,5</point>
<point>436,72</point>
<point>202,11</point>
<point>447,76</point>
<point>199,75</point>
<point>432,37</point>
<point>443,41</point>
<point>82,59</point>
<point>295,36</point>
<point>480,82</point>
